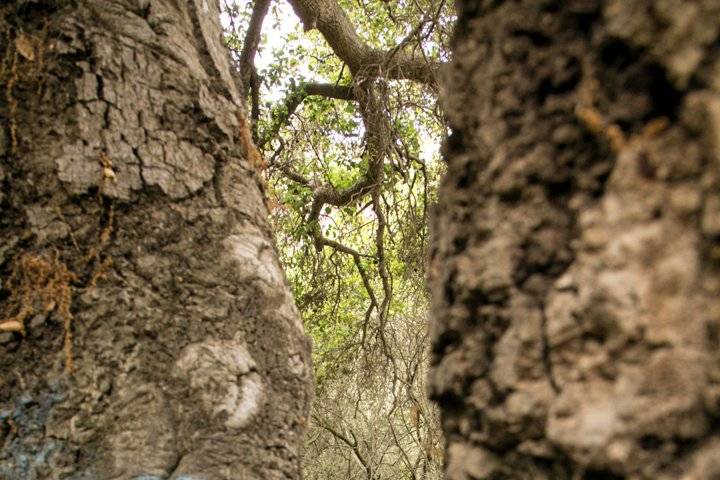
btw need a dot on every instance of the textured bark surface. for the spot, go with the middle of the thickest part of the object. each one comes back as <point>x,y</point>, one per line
<point>122,160</point>
<point>575,267</point>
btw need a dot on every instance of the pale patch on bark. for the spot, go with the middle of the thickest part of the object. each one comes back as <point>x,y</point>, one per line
<point>255,254</point>
<point>223,374</point>
<point>296,365</point>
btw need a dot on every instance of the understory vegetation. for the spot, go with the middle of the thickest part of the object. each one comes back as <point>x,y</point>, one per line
<point>345,113</point>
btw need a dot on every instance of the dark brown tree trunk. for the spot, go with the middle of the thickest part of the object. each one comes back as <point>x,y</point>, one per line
<point>576,260</point>
<point>147,328</point>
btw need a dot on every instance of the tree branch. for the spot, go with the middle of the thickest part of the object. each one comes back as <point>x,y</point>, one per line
<point>370,68</point>
<point>378,131</point>
<point>364,61</point>
<point>353,444</point>
<point>297,96</point>
<point>250,45</point>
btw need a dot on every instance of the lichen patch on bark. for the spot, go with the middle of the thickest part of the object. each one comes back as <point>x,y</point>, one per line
<point>224,376</point>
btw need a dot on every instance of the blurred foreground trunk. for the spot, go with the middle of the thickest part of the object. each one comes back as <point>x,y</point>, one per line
<point>147,328</point>
<point>576,258</point>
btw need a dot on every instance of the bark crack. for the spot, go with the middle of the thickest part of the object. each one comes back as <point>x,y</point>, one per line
<point>545,345</point>
<point>173,468</point>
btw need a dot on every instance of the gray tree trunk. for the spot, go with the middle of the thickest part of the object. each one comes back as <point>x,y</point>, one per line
<point>133,219</point>
<point>576,257</point>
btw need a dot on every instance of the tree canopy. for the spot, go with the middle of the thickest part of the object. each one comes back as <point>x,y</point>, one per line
<point>343,99</point>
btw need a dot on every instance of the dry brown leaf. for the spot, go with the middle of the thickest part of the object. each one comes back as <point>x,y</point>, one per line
<point>11,326</point>
<point>109,174</point>
<point>25,47</point>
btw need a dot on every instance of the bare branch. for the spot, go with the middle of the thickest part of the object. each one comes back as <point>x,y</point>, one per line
<point>364,61</point>
<point>382,264</point>
<point>297,96</point>
<point>321,241</point>
<point>250,45</point>
<point>353,444</point>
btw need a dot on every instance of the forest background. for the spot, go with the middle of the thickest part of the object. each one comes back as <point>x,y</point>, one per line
<point>356,264</point>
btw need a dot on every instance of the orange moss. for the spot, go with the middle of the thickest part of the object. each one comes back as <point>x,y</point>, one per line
<point>254,155</point>
<point>40,284</point>
<point>23,59</point>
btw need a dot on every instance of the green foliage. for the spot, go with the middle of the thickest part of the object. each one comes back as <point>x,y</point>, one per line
<point>369,336</point>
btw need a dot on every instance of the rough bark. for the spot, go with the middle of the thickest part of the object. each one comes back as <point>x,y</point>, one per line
<point>133,218</point>
<point>575,266</point>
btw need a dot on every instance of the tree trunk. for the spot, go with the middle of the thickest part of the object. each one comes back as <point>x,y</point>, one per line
<point>576,259</point>
<point>149,332</point>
